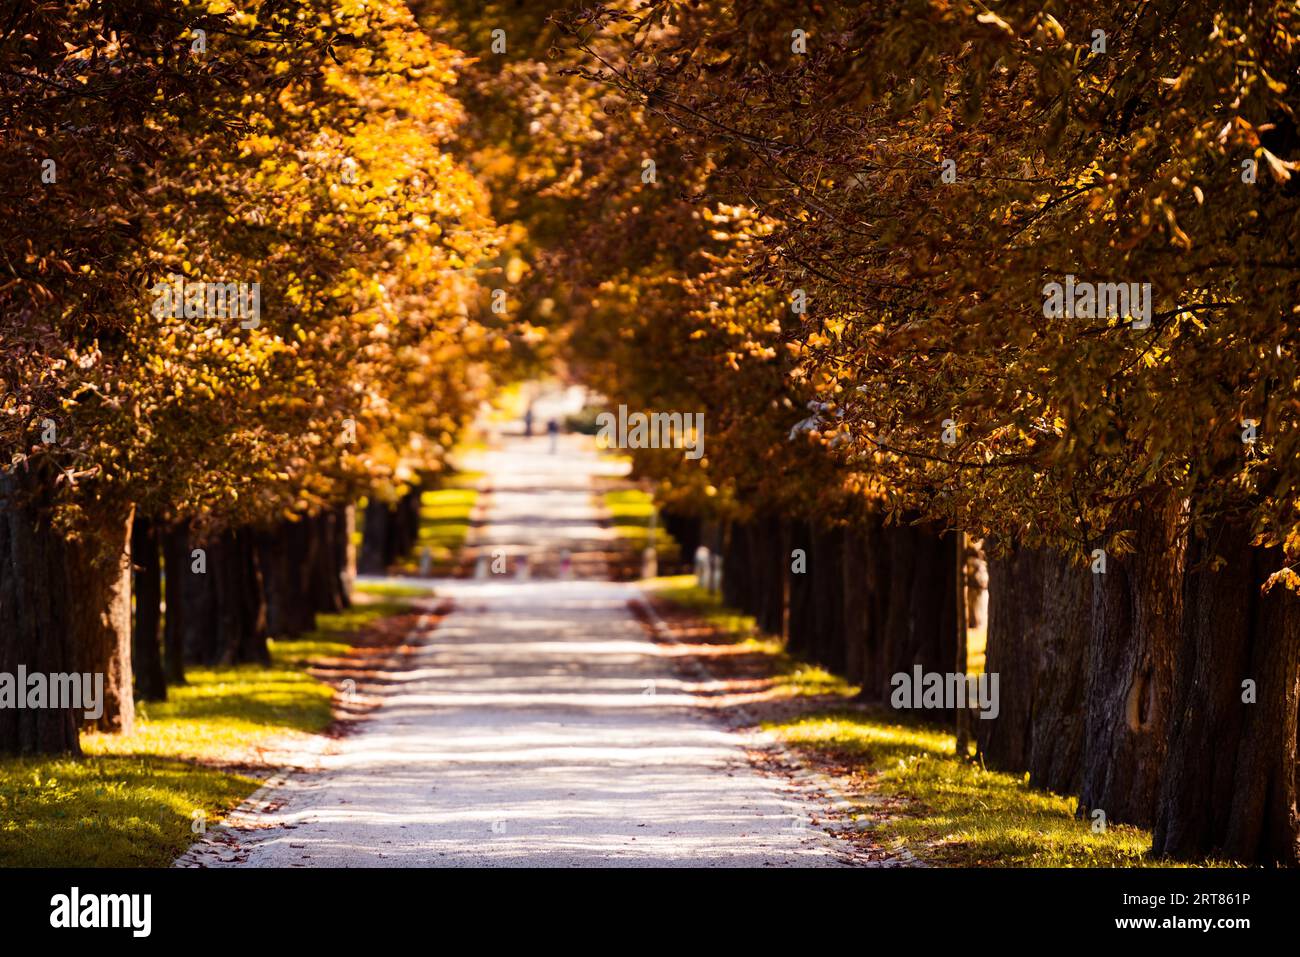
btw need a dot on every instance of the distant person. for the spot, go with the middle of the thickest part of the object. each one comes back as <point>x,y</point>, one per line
<point>553,430</point>
<point>528,421</point>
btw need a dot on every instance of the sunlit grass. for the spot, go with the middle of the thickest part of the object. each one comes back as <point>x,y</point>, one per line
<point>392,590</point>
<point>630,503</point>
<point>945,811</point>
<point>954,812</point>
<point>444,520</point>
<point>107,811</point>
<point>130,800</point>
<point>685,592</point>
<point>630,511</point>
<point>792,675</point>
<point>976,645</point>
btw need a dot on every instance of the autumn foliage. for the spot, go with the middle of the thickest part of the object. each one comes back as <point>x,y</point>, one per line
<point>844,232</point>
<point>852,252</point>
<point>300,149</point>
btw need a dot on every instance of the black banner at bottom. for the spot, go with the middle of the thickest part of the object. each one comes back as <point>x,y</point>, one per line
<point>339,905</point>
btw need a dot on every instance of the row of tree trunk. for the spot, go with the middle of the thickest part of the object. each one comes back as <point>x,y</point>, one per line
<point>65,607</point>
<point>227,593</point>
<point>1161,688</point>
<point>389,531</point>
<point>66,603</point>
<point>1163,691</point>
<point>868,601</point>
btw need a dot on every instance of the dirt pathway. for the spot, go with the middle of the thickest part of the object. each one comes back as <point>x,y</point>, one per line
<point>537,725</point>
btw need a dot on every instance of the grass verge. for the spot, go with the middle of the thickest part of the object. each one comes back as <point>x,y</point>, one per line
<point>132,801</point>
<point>630,510</point>
<point>903,775</point>
<point>915,793</point>
<point>787,674</point>
<point>444,522</point>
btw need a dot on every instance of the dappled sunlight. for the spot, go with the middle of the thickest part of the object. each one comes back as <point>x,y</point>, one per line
<point>103,811</point>
<point>909,785</point>
<point>132,800</point>
<point>536,723</point>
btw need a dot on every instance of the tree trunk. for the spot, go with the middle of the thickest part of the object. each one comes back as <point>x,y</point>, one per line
<point>734,560</point>
<point>150,680</point>
<point>197,609</point>
<point>879,586</point>
<point>346,555</point>
<point>895,653</point>
<point>376,547</point>
<point>1135,623</point>
<point>825,564</point>
<point>405,525</point>
<point>1038,630</point>
<point>778,566</point>
<point>34,627</point>
<point>857,604</point>
<point>225,616</point>
<point>328,593</point>
<point>960,624</point>
<point>284,556</point>
<point>786,538</point>
<point>800,620</point>
<point>685,531</point>
<point>919,620</point>
<point>176,571</point>
<point>242,614</point>
<point>1228,788</point>
<point>1056,752</point>
<point>1011,652</point>
<point>99,565</point>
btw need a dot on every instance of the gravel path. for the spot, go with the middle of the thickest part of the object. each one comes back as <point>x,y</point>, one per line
<point>537,725</point>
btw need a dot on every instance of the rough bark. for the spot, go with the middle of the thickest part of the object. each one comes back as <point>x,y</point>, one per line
<point>1038,631</point>
<point>34,626</point>
<point>99,604</point>
<point>1136,616</point>
<point>1056,754</point>
<point>147,660</point>
<point>1011,652</point>
<point>1228,788</point>
<point>920,607</point>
